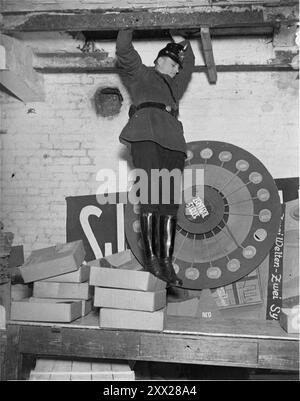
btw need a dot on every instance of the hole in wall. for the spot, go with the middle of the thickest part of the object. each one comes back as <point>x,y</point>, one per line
<point>108,101</point>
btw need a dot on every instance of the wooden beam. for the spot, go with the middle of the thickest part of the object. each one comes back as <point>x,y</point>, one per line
<point>208,55</point>
<point>10,6</point>
<point>261,343</point>
<point>242,31</point>
<point>158,34</point>
<point>19,77</point>
<point>3,341</point>
<point>5,303</point>
<point>97,63</point>
<point>232,15</point>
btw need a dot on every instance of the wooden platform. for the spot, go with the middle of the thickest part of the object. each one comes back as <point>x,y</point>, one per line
<point>226,342</point>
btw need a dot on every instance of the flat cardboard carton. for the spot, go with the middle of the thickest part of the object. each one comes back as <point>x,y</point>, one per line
<point>289,319</point>
<point>79,276</point>
<point>244,292</point>
<point>86,304</point>
<point>132,319</point>
<point>125,279</point>
<point>42,289</point>
<point>53,261</point>
<point>59,369</point>
<point>121,260</point>
<point>45,312</point>
<point>129,299</point>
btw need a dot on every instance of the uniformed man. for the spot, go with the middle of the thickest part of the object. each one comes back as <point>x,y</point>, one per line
<point>155,137</point>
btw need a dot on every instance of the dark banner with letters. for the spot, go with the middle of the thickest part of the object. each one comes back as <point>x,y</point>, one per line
<point>101,227</point>
<point>274,297</point>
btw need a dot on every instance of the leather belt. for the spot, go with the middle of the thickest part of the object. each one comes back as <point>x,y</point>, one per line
<point>133,109</point>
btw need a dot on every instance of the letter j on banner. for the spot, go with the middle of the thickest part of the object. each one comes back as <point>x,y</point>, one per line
<point>100,227</point>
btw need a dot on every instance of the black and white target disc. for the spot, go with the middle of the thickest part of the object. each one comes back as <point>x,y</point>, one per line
<point>228,225</point>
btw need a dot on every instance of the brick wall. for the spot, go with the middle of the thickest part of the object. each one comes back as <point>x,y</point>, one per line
<point>55,148</point>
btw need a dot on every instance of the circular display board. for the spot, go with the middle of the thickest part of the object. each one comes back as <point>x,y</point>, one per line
<point>227,221</point>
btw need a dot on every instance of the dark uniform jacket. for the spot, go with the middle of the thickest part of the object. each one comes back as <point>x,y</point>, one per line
<point>144,84</point>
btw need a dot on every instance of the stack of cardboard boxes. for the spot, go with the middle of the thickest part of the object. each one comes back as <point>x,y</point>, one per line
<point>128,299</point>
<point>58,369</point>
<point>61,291</point>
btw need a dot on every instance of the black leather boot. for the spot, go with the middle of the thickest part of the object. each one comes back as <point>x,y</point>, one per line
<point>148,223</point>
<point>166,235</point>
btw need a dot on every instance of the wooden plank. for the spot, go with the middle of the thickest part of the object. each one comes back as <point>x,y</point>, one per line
<point>13,356</point>
<point>203,350</point>
<point>208,55</point>
<point>18,87</point>
<point>3,341</point>
<point>10,6</point>
<point>228,327</point>
<point>170,18</point>
<point>199,69</point>
<point>241,31</point>
<point>20,78</point>
<point>224,327</point>
<point>212,347</point>
<point>79,342</point>
<point>283,355</point>
<point>52,65</point>
<point>5,298</point>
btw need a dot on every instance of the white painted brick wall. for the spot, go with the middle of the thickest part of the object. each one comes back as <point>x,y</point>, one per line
<point>56,151</point>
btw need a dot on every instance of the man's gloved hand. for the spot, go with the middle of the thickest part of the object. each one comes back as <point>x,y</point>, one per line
<point>183,34</point>
<point>176,35</point>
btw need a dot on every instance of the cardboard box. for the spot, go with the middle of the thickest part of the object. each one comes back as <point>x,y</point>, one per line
<point>86,304</point>
<point>51,369</point>
<point>53,261</point>
<point>42,289</point>
<point>244,292</point>
<point>121,260</point>
<point>132,319</point>
<point>45,312</point>
<point>129,299</point>
<point>79,276</point>
<point>20,291</point>
<point>125,279</point>
<point>289,319</point>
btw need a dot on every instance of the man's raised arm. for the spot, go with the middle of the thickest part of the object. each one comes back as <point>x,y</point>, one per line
<point>128,59</point>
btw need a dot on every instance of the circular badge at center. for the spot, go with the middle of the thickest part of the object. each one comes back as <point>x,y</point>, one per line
<point>201,212</point>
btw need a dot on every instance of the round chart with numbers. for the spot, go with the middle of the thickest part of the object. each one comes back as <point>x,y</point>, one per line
<point>227,220</point>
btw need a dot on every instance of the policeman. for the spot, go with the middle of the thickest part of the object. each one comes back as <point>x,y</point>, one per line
<point>155,137</point>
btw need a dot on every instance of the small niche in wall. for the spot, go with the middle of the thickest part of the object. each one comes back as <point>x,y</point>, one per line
<point>108,101</point>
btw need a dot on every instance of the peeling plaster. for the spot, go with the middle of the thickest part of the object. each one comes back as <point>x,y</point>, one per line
<point>284,83</point>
